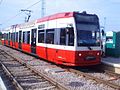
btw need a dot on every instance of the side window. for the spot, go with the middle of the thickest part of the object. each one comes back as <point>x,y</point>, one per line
<point>50,36</point>
<point>63,36</point>
<point>11,36</point>
<point>67,36</point>
<point>23,37</point>
<point>28,37</point>
<point>16,36</point>
<point>4,36</point>
<point>7,36</point>
<point>41,36</point>
<point>70,37</point>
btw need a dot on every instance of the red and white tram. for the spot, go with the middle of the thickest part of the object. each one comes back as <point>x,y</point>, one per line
<point>69,38</point>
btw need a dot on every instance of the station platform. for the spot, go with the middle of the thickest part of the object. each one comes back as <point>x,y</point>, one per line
<point>112,64</point>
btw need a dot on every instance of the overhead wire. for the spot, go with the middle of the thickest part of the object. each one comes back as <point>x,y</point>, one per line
<point>33,4</point>
<point>13,17</point>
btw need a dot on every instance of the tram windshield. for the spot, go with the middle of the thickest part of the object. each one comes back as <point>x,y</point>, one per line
<point>88,33</point>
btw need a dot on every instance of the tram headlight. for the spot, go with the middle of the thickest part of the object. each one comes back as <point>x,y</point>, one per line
<point>98,54</point>
<point>80,54</point>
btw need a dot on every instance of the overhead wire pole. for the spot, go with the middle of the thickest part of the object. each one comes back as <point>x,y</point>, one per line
<point>42,8</point>
<point>104,23</point>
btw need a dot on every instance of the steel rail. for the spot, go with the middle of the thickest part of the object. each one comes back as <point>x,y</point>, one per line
<point>114,76</point>
<point>112,73</point>
<point>95,78</point>
<point>54,82</point>
<point>18,86</point>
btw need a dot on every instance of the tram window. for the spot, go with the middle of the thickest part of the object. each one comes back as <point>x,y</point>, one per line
<point>11,36</point>
<point>50,36</point>
<point>7,37</point>
<point>70,36</point>
<point>28,37</point>
<point>41,36</point>
<point>23,37</point>
<point>3,36</point>
<point>16,36</point>
<point>63,37</point>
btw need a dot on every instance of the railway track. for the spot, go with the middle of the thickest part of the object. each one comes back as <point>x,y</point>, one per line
<point>25,77</point>
<point>5,80</point>
<point>107,77</point>
<point>78,81</point>
<point>11,77</point>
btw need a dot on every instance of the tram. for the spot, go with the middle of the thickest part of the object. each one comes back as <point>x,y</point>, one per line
<point>69,38</point>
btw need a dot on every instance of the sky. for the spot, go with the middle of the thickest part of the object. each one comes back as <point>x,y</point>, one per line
<point>107,10</point>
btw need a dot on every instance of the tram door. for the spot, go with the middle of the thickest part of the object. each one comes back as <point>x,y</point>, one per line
<point>33,40</point>
<point>20,39</point>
